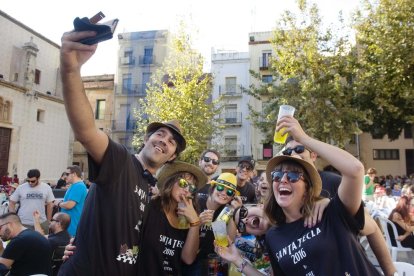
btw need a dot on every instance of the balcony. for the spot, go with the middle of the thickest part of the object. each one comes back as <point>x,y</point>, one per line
<point>264,63</point>
<point>124,125</point>
<point>231,118</point>
<point>137,90</point>
<point>127,60</point>
<point>232,152</point>
<point>230,90</point>
<point>146,60</point>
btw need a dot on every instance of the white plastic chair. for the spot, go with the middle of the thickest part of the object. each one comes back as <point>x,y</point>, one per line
<point>404,269</point>
<point>394,249</point>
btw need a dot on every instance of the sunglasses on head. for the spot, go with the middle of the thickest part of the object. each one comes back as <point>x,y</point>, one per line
<point>184,184</point>
<point>245,166</point>
<point>297,149</point>
<point>208,159</point>
<point>292,177</point>
<point>229,192</point>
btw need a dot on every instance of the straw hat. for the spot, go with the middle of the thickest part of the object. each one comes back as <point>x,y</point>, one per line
<point>174,126</point>
<point>177,167</point>
<point>228,180</point>
<point>315,178</point>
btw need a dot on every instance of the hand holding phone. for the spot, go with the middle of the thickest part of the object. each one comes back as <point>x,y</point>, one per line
<point>104,31</point>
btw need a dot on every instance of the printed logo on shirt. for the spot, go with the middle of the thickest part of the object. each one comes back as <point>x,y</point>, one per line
<point>169,250</point>
<point>295,250</point>
<point>128,255</point>
<point>34,195</point>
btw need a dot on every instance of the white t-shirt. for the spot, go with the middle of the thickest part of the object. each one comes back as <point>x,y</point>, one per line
<point>32,199</point>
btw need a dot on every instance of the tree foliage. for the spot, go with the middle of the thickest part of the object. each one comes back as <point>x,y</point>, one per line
<point>180,90</point>
<point>384,75</point>
<point>311,70</point>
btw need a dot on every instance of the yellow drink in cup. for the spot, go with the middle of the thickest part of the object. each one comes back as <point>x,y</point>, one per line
<point>284,110</point>
<point>221,240</point>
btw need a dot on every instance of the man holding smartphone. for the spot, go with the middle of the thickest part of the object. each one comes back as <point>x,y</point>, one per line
<point>109,231</point>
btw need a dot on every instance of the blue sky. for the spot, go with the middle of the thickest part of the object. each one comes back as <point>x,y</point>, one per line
<point>223,24</point>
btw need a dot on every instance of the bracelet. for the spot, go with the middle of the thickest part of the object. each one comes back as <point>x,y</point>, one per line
<point>242,266</point>
<point>197,223</point>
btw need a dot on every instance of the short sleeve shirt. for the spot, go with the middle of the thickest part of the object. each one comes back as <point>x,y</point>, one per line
<point>297,250</point>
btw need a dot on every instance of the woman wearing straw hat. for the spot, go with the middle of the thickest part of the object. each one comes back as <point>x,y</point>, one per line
<point>296,185</point>
<point>222,191</point>
<point>164,245</point>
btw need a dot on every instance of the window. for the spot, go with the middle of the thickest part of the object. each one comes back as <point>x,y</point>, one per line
<point>231,85</point>
<point>408,133</point>
<point>267,151</point>
<point>267,78</point>
<point>386,154</point>
<point>264,60</point>
<point>100,109</point>
<point>230,113</point>
<point>40,116</point>
<point>230,145</point>
<point>127,83</point>
<point>148,55</point>
<point>37,76</point>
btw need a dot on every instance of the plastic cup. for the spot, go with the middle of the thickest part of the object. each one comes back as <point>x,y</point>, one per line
<point>284,110</point>
<point>220,233</point>
<point>182,220</point>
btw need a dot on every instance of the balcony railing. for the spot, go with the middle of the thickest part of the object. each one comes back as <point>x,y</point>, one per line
<point>264,63</point>
<point>138,90</point>
<point>231,118</point>
<point>124,125</point>
<point>127,60</point>
<point>230,90</point>
<point>146,60</point>
<point>232,151</point>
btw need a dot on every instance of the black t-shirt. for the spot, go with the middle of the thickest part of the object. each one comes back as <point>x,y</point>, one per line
<point>59,239</point>
<point>161,244</point>
<point>109,229</point>
<point>31,254</point>
<point>330,183</point>
<point>297,250</point>
<point>247,193</point>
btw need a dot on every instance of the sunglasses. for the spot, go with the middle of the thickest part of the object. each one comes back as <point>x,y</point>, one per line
<point>208,159</point>
<point>241,226</point>
<point>67,174</point>
<point>297,149</point>
<point>184,184</point>
<point>247,167</point>
<point>229,192</point>
<point>292,177</point>
<point>31,181</point>
<point>55,220</point>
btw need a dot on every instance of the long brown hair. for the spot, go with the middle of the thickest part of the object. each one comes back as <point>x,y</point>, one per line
<point>402,208</point>
<point>273,210</point>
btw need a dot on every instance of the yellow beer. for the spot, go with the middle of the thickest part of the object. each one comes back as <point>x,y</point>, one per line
<point>221,240</point>
<point>279,138</point>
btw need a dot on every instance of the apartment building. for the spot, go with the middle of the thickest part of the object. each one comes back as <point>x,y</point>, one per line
<point>140,55</point>
<point>100,93</point>
<point>33,122</point>
<point>230,72</point>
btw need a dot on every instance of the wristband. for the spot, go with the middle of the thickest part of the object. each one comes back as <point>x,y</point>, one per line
<point>242,266</point>
<point>195,223</point>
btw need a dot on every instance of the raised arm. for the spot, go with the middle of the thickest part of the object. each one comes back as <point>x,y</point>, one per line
<point>72,56</point>
<point>351,169</point>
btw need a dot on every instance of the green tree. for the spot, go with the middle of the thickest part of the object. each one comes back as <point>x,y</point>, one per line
<point>311,70</point>
<point>180,90</point>
<point>384,76</point>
